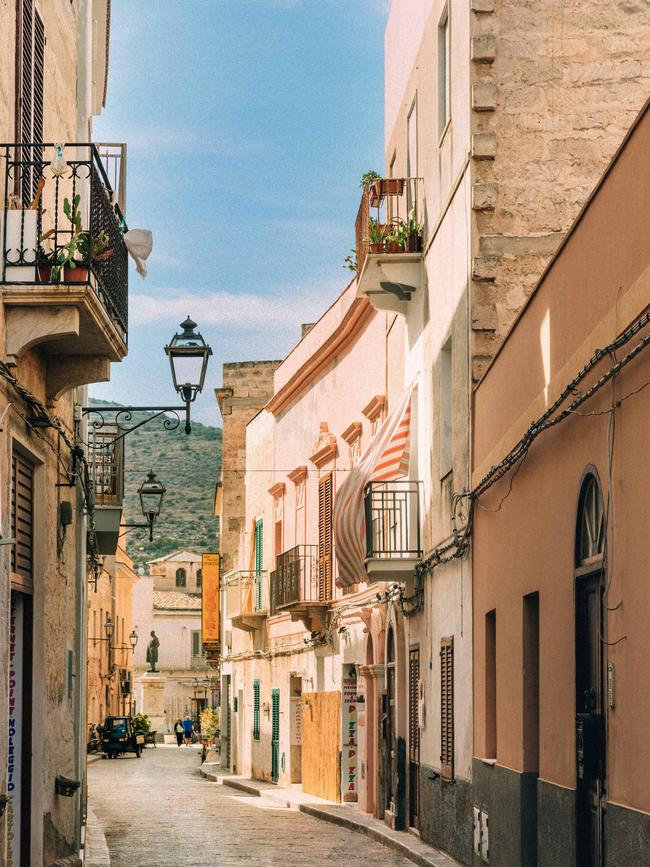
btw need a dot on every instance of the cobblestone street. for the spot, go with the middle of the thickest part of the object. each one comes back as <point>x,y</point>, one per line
<point>158,810</point>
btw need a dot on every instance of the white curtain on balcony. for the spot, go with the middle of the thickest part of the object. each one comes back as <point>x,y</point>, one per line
<point>386,458</point>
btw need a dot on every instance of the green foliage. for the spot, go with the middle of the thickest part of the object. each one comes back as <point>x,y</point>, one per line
<point>188,466</point>
<point>141,723</point>
<point>209,723</point>
<point>368,178</point>
<point>376,232</point>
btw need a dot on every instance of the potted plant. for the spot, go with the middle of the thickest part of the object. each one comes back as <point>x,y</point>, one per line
<point>368,179</point>
<point>376,236</point>
<point>385,187</point>
<point>413,234</point>
<point>71,263</point>
<point>396,238</point>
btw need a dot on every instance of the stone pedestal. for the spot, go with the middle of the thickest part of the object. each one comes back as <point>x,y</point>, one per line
<point>153,704</point>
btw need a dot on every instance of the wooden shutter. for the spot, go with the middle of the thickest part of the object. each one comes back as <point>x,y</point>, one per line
<point>22,517</point>
<point>414,711</point>
<point>30,64</point>
<point>447,708</point>
<point>259,562</point>
<point>256,710</point>
<point>325,538</point>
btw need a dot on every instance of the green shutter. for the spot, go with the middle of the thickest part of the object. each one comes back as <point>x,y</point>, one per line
<point>259,562</point>
<point>256,710</point>
<point>275,734</point>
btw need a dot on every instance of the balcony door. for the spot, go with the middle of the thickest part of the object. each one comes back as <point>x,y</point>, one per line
<point>30,63</point>
<point>414,737</point>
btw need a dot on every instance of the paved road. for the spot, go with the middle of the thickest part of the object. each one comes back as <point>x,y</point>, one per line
<point>158,810</point>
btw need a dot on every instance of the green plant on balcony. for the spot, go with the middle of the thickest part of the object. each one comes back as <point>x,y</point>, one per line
<point>396,236</point>
<point>413,234</point>
<point>70,262</point>
<point>368,179</point>
<point>350,262</point>
<point>377,236</point>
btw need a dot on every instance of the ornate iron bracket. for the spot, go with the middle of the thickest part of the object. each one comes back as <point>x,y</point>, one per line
<point>122,415</point>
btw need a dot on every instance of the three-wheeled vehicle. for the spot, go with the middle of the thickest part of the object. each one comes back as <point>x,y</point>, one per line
<point>118,737</point>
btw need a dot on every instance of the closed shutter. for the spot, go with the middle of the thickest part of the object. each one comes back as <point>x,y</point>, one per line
<point>414,715</point>
<point>325,538</point>
<point>259,562</point>
<point>447,708</point>
<point>256,710</point>
<point>30,94</point>
<point>22,517</point>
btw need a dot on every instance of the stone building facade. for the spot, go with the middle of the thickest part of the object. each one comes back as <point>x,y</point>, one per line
<point>55,338</point>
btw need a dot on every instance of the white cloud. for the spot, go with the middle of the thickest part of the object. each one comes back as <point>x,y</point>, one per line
<point>285,308</point>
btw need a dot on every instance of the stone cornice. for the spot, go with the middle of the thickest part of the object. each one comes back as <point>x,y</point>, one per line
<point>352,433</point>
<point>375,408</point>
<point>277,490</point>
<point>298,475</point>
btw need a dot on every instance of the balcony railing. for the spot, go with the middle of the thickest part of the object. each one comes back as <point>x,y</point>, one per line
<point>295,580</point>
<point>246,595</point>
<point>61,221</point>
<point>390,218</point>
<point>106,455</point>
<point>393,520</point>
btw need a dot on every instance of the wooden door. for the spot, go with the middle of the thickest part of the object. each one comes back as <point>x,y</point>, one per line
<point>414,737</point>
<point>325,538</point>
<point>321,744</point>
<point>591,788</point>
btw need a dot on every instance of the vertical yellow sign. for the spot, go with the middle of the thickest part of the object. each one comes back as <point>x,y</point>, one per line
<point>210,586</point>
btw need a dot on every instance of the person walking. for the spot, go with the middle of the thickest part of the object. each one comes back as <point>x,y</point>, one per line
<point>179,731</point>
<point>188,728</point>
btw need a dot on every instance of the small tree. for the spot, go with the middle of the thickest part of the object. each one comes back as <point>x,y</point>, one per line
<point>141,723</point>
<point>209,723</point>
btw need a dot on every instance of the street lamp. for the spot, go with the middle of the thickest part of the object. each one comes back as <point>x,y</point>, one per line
<point>109,628</point>
<point>188,355</point>
<point>151,493</point>
<point>133,639</point>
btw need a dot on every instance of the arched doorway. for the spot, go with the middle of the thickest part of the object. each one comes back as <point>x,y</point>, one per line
<point>591,752</point>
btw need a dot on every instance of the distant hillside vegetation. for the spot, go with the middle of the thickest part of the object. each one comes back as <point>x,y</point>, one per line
<point>188,466</point>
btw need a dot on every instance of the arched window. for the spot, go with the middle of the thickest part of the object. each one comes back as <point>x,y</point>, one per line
<point>590,528</point>
<point>199,577</point>
<point>181,578</point>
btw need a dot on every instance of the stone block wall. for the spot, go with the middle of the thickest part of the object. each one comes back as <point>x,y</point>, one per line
<point>555,86</point>
<point>247,387</point>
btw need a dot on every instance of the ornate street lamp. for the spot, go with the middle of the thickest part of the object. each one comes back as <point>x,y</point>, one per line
<point>133,639</point>
<point>109,627</point>
<point>151,493</point>
<point>188,355</point>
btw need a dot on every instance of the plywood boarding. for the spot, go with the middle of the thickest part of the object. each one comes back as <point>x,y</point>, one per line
<point>321,744</point>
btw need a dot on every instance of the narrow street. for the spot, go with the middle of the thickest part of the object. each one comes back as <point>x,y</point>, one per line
<point>158,810</point>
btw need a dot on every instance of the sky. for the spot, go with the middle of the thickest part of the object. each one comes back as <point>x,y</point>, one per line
<point>248,124</point>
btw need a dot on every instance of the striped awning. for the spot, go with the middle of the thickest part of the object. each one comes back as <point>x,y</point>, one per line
<point>386,458</point>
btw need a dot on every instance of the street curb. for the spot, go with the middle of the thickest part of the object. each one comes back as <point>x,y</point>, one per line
<point>96,852</point>
<point>384,837</point>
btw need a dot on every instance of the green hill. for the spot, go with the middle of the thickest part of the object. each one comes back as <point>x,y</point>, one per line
<point>188,467</point>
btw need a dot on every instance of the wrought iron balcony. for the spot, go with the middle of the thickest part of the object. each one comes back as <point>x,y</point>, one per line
<point>390,235</point>
<point>296,588</point>
<point>62,227</point>
<point>296,577</point>
<point>246,599</point>
<point>393,540</point>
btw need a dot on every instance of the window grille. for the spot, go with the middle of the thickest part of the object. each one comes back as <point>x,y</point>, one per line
<point>256,710</point>
<point>447,708</point>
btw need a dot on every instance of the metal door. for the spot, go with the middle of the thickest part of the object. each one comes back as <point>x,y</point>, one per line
<point>228,725</point>
<point>414,737</point>
<point>590,723</point>
<point>275,735</point>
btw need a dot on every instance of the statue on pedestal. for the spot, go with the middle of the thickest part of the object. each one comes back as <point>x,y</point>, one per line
<point>152,651</point>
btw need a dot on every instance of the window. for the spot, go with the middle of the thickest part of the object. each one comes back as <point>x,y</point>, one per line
<point>325,538</point>
<point>491,685</point>
<point>22,517</point>
<point>30,45</point>
<point>256,710</point>
<point>447,708</point>
<point>590,538</point>
<point>197,650</point>
<point>199,577</point>
<point>444,91</point>
<point>259,562</point>
<point>446,455</point>
<point>181,578</point>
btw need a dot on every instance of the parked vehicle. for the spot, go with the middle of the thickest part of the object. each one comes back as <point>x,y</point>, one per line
<point>94,744</point>
<point>119,737</point>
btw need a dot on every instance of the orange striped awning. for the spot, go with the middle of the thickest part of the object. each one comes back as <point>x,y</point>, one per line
<point>386,458</point>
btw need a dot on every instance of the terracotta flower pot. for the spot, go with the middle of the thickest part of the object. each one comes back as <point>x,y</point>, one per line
<point>385,187</point>
<point>395,247</point>
<point>75,275</point>
<point>376,248</point>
